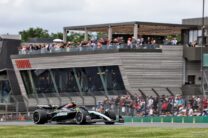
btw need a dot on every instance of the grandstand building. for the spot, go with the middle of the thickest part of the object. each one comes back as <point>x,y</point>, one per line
<point>87,76</point>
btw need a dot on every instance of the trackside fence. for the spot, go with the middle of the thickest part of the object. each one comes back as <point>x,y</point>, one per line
<point>168,119</point>
<point>137,108</point>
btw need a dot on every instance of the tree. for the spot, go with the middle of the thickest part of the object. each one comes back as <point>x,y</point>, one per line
<point>101,35</point>
<point>38,32</point>
<point>34,33</point>
<point>75,37</point>
<point>58,35</point>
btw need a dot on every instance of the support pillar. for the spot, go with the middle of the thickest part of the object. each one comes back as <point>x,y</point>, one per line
<point>86,35</point>
<point>103,81</point>
<point>109,33</point>
<point>77,81</point>
<point>65,35</point>
<point>33,85</point>
<point>54,82</point>
<point>55,86</point>
<point>135,31</point>
<point>79,85</point>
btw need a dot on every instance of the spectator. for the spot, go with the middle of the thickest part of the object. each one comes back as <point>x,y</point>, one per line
<point>174,41</point>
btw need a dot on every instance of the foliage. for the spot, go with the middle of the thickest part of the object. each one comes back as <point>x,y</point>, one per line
<point>178,37</point>
<point>34,33</point>
<point>101,35</point>
<point>58,35</point>
<point>38,32</point>
<point>75,37</point>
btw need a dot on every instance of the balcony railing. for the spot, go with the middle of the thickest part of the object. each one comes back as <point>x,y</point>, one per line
<point>83,49</point>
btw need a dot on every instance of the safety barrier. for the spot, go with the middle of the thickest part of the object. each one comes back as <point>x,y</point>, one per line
<point>168,119</point>
<point>16,116</point>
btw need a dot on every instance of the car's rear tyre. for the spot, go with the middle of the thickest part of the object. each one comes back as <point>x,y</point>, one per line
<point>80,118</point>
<point>109,123</point>
<point>40,117</point>
<point>112,116</point>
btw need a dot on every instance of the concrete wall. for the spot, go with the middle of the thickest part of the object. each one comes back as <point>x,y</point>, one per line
<point>193,68</point>
<point>150,70</point>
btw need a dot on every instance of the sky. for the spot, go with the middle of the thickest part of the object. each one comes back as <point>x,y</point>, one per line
<point>53,15</point>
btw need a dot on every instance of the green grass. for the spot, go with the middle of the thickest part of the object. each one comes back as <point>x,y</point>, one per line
<point>99,132</point>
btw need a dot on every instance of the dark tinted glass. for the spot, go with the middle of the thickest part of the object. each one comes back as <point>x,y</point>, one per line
<point>74,81</point>
<point>4,91</point>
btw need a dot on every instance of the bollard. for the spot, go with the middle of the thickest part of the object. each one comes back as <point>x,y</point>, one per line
<point>182,120</point>
<point>194,120</point>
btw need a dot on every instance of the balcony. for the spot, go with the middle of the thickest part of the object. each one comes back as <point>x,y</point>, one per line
<point>194,53</point>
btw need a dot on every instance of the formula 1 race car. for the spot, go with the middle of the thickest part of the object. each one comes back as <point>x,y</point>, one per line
<point>78,115</point>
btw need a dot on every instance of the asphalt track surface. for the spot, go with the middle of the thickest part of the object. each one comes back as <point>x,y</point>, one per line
<point>169,125</point>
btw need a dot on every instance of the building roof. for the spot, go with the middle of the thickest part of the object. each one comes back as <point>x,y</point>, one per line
<point>144,28</point>
<point>195,21</point>
<point>8,36</point>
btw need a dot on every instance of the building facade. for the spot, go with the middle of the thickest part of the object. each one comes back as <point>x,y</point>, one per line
<point>89,75</point>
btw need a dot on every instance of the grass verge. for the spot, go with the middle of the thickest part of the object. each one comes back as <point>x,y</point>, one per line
<point>99,132</point>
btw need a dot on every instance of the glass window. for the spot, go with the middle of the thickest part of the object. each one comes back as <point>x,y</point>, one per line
<point>27,82</point>
<point>113,80</point>
<point>72,81</point>
<point>94,82</point>
<point>38,82</point>
<point>195,35</point>
<point>4,91</point>
<point>191,36</point>
<point>65,80</point>
<point>43,82</point>
<point>199,32</point>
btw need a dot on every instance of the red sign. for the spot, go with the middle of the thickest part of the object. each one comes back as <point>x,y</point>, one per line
<point>23,63</point>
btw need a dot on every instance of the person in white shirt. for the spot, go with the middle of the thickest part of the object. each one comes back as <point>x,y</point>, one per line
<point>174,41</point>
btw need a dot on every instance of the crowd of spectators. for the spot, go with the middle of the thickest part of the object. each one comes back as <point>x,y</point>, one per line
<point>193,44</point>
<point>156,106</point>
<point>102,43</point>
<point>140,105</point>
<point>15,116</point>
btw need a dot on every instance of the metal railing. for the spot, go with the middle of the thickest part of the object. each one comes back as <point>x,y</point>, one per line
<point>85,48</point>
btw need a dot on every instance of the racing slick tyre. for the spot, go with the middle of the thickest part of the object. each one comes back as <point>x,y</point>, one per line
<point>109,123</point>
<point>40,117</point>
<point>80,118</point>
<point>112,116</point>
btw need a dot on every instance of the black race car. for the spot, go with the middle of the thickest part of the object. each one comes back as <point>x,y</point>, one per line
<point>79,115</point>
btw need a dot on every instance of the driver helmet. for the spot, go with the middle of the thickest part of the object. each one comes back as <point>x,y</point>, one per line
<point>73,103</point>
